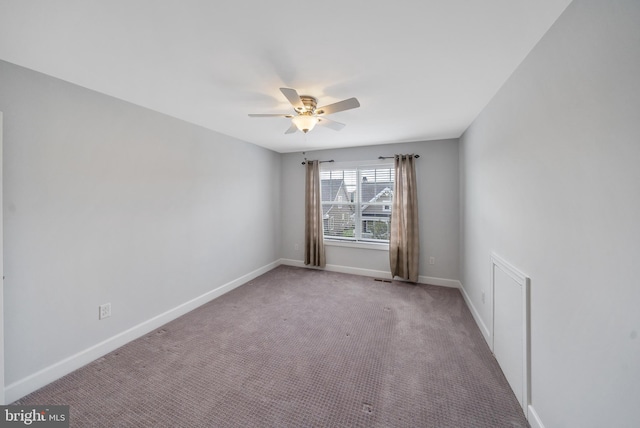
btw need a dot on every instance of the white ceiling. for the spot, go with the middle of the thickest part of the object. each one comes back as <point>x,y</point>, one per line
<point>421,69</point>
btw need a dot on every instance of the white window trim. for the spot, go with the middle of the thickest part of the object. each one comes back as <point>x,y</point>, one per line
<point>369,245</point>
<point>358,243</point>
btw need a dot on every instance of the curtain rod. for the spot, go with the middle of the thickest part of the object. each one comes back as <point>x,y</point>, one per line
<point>379,157</point>
<point>393,157</point>
<point>305,161</point>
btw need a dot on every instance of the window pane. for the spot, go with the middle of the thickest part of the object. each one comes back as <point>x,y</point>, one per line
<point>357,202</point>
<point>376,228</point>
<point>375,208</point>
<point>338,220</point>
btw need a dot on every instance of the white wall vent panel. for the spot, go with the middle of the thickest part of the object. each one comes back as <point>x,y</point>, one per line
<point>511,326</point>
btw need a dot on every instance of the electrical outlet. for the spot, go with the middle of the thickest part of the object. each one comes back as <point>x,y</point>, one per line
<point>104,311</point>
<point>432,260</point>
<point>296,247</point>
<point>483,297</point>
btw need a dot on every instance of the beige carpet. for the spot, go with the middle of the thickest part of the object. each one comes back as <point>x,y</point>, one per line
<point>300,348</point>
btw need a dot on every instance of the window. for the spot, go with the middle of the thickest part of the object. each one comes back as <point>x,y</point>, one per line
<point>356,202</point>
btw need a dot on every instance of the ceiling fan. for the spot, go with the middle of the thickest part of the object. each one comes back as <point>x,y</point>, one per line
<point>307,114</point>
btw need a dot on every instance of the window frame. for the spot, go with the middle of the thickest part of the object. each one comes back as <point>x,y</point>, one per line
<point>358,241</point>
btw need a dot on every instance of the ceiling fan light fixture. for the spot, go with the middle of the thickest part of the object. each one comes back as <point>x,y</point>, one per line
<point>304,123</point>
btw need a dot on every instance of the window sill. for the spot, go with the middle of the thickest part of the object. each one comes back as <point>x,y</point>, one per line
<point>361,244</point>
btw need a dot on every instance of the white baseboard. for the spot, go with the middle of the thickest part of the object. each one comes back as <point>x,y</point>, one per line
<point>55,371</point>
<point>443,282</point>
<point>339,268</point>
<point>476,316</point>
<point>295,263</point>
<point>533,418</point>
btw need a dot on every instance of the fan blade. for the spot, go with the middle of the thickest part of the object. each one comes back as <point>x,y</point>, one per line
<point>294,98</point>
<point>291,129</point>
<point>336,126</point>
<point>339,106</point>
<point>271,115</point>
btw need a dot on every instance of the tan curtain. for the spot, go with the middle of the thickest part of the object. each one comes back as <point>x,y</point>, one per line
<point>313,235</point>
<point>404,243</point>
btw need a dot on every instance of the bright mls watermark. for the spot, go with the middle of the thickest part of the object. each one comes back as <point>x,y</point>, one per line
<point>34,416</point>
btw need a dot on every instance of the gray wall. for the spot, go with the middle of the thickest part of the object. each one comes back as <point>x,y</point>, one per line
<point>437,176</point>
<point>109,202</point>
<point>550,181</point>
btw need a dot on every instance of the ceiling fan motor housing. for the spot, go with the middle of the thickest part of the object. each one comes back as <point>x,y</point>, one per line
<point>309,102</point>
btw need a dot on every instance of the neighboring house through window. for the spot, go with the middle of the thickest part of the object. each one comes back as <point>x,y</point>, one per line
<point>356,202</point>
